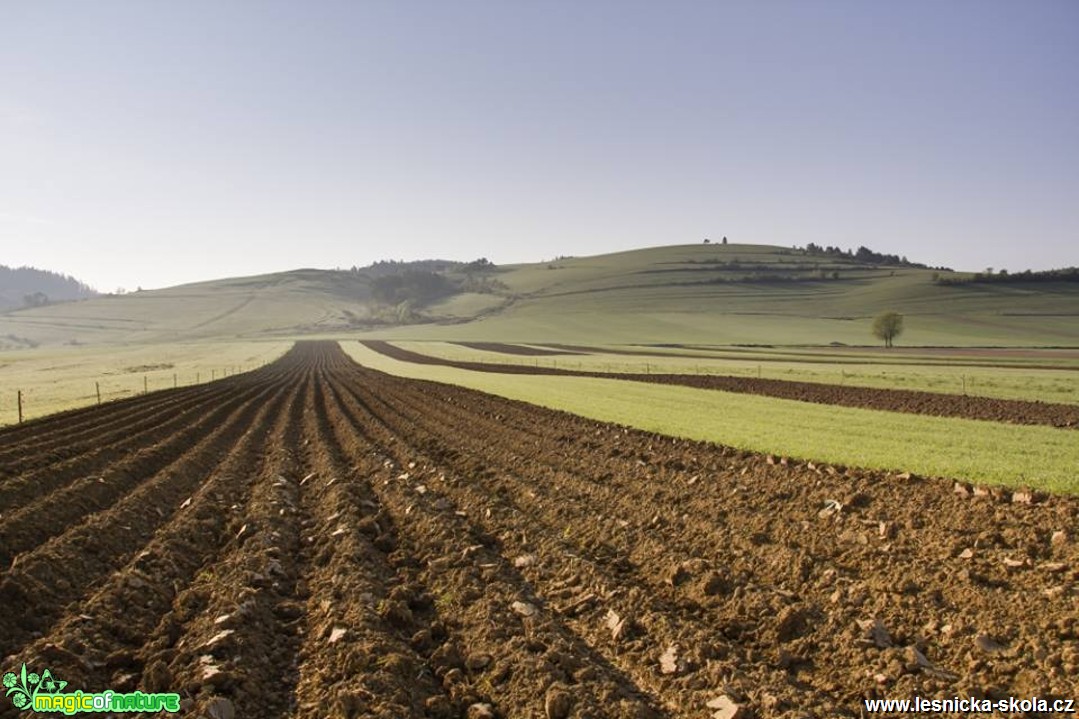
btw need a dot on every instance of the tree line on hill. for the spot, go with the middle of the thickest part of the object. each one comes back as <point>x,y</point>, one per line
<point>30,287</point>
<point>865,255</point>
<point>1063,274</point>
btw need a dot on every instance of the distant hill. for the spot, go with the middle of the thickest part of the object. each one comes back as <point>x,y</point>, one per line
<point>707,293</point>
<point>31,287</point>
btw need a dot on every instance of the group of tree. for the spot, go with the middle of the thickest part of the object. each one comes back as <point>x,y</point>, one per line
<point>862,254</point>
<point>415,286</point>
<point>481,265</point>
<point>426,281</point>
<point>31,287</point>
<point>1064,274</point>
<point>396,267</point>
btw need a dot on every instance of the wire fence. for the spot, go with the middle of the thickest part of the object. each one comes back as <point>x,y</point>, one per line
<point>19,404</point>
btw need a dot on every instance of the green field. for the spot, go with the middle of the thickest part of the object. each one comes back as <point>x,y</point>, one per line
<point>1018,380</point>
<point>59,378</point>
<point>977,451</point>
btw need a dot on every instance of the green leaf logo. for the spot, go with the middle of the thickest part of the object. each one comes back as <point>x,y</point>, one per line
<point>24,686</point>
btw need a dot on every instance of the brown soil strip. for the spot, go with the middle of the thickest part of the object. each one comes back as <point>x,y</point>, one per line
<point>75,494</point>
<point>890,400</point>
<point>514,646</point>
<point>753,355</point>
<point>80,554</point>
<point>240,620</point>
<point>119,636</point>
<point>520,350</point>
<point>363,606</point>
<point>110,453</point>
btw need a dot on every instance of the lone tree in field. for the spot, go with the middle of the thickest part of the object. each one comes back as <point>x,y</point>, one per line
<point>887,326</point>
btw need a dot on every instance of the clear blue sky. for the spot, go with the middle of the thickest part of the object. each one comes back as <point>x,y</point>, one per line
<point>152,143</point>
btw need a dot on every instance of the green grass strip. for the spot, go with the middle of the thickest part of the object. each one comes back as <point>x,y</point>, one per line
<point>978,451</point>
<point>1060,386</point>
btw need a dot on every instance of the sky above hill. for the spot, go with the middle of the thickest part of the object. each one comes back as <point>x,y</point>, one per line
<point>150,143</point>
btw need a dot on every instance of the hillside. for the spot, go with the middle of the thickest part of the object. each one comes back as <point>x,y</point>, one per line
<point>763,294</point>
<point>715,294</point>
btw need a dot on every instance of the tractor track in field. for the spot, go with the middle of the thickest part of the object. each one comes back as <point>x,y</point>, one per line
<point>889,400</point>
<point>317,539</point>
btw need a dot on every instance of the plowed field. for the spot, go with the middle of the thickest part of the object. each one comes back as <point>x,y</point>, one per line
<point>315,539</point>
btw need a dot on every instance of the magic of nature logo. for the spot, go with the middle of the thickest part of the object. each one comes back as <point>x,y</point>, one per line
<point>43,693</point>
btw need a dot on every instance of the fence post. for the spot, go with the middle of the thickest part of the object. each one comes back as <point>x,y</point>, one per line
<point>213,374</point>
<point>145,385</point>
<point>174,380</point>
<point>97,387</point>
<point>198,378</point>
<point>20,406</point>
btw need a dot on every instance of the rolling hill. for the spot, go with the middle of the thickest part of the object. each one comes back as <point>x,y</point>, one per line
<point>715,294</point>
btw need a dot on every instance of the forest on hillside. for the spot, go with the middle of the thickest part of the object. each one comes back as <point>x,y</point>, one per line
<point>30,287</point>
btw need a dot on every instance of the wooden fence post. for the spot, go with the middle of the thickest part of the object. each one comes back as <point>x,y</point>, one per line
<point>145,385</point>
<point>20,406</point>
<point>174,381</point>
<point>97,387</point>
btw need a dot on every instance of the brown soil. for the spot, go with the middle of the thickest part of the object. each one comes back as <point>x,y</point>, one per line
<point>522,350</point>
<point>891,400</point>
<point>321,540</point>
<point>985,352</point>
<point>840,356</point>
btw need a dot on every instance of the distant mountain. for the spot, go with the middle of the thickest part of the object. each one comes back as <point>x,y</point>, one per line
<point>31,287</point>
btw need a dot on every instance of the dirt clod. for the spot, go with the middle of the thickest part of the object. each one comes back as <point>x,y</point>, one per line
<point>987,644</point>
<point>220,708</point>
<point>524,560</point>
<point>672,661</point>
<point>1023,496</point>
<point>726,708</point>
<point>874,632</point>
<point>481,710</point>
<point>558,702</point>
<point>477,661</point>
<point>525,609</point>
